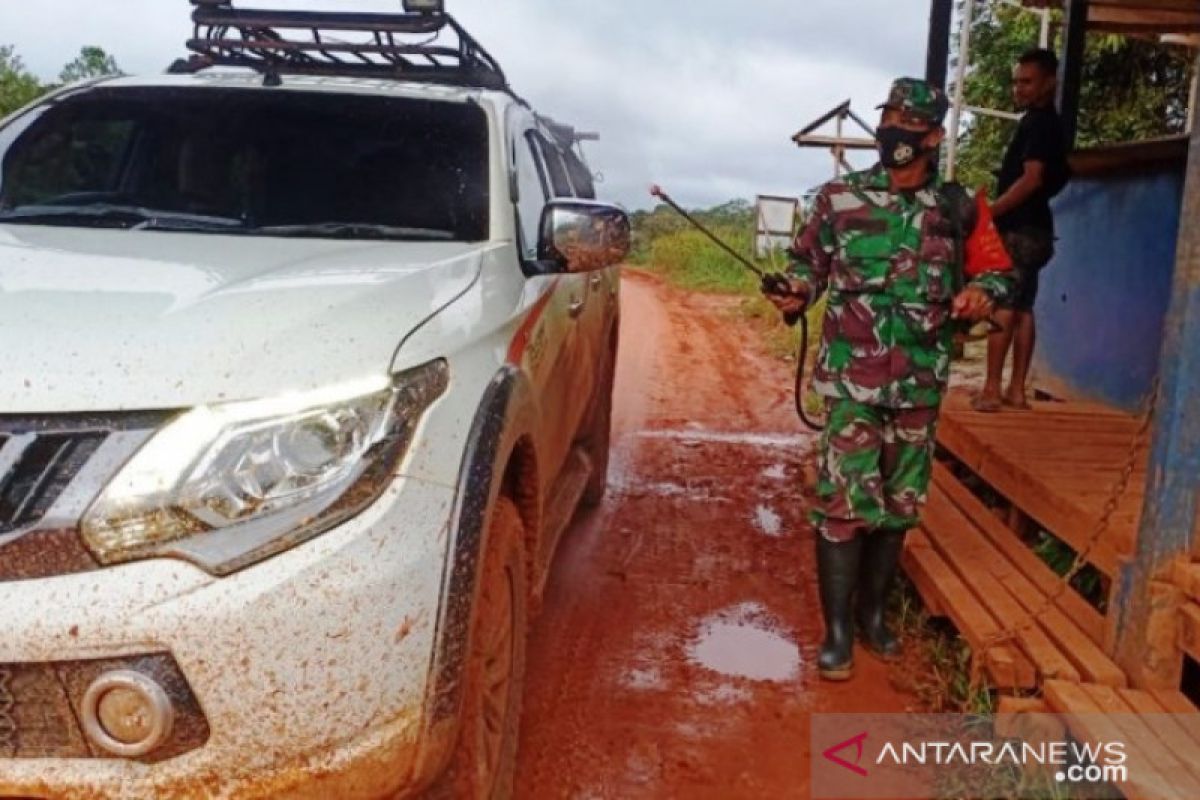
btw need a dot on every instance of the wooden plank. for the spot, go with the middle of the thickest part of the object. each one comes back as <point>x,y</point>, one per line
<point>916,573</point>
<point>1182,710</point>
<point>1136,730</point>
<point>1094,727</point>
<point>1022,705</point>
<point>1089,620</point>
<point>1171,730</point>
<point>949,530</point>
<point>1085,656</point>
<point>1174,702</point>
<point>1042,415</point>
<point>1187,577</point>
<point>1028,718</point>
<point>1063,443</point>
<point>1161,657</point>
<point>1054,424</point>
<point>960,402</point>
<point>1094,481</point>
<point>961,398</point>
<point>1006,665</point>
<point>1055,511</point>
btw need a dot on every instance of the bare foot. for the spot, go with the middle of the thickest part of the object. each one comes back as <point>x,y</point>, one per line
<point>987,402</point>
<point>1016,402</point>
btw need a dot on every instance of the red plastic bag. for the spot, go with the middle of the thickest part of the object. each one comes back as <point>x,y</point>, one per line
<point>985,251</point>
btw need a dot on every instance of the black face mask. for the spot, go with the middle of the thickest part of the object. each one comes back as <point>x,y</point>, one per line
<point>899,147</point>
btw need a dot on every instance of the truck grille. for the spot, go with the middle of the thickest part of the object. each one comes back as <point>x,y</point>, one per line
<point>35,468</point>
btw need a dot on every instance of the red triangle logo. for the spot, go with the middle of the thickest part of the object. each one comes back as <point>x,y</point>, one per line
<point>857,741</point>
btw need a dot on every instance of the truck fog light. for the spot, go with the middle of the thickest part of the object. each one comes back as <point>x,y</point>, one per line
<point>127,713</point>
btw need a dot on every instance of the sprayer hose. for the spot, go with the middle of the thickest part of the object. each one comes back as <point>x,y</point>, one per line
<point>801,362</point>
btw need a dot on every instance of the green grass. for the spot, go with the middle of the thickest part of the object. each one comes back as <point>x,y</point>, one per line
<point>689,260</point>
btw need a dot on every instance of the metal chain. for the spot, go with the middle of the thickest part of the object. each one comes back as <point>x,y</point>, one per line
<point>8,724</point>
<point>1029,620</point>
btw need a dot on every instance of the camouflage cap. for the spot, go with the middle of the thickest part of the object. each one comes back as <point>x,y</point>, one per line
<point>918,97</point>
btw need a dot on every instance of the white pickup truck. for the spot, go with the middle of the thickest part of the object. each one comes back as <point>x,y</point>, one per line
<point>308,358</point>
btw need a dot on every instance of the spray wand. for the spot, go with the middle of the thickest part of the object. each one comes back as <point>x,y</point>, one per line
<point>772,283</point>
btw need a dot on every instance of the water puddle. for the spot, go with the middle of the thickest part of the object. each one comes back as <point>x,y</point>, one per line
<point>725,694</point>
<point>697,437</point>
<point>635,489</point>
<point>775,472</point>
<point>643,679</point>
<point>739,642</point>
<point>767,521</point>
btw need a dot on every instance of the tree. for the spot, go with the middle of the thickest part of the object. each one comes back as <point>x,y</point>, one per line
<point>92,62</point>
<point>1132,89</point>
<point>17,86</point>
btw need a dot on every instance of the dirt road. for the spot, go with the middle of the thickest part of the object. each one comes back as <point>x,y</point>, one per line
<point>675,656</point>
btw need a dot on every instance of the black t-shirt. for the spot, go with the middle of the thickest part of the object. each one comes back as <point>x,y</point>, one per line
<point>1039,137</point>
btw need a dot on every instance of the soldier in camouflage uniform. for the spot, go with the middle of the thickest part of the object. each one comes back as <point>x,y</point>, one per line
<point>886,244</point>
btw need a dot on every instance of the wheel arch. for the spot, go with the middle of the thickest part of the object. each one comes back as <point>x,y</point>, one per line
<point>500,458</point>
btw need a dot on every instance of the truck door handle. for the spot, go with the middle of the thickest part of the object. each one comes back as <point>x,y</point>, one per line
<point>576,308</point>
<point>597,280</point>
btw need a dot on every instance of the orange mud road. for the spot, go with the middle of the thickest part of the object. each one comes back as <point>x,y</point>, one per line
<point>675,653</point>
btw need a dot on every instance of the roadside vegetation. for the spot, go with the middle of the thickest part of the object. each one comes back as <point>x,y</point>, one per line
<point>19,86</point>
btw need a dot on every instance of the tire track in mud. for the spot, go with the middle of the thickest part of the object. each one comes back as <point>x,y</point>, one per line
<point>675,655</point>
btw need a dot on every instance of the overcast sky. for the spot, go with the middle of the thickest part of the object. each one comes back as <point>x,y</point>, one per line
<point>701,96</point>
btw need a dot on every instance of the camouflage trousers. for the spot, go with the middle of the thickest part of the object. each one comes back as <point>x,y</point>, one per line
<point>875,467</point>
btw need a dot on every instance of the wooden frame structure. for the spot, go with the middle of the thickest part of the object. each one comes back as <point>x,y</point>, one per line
<point>839,143</point>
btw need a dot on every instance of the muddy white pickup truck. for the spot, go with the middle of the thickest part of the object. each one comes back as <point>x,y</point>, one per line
<point>308,356</point>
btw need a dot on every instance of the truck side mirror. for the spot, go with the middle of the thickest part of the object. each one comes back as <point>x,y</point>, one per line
<point>582,235</point>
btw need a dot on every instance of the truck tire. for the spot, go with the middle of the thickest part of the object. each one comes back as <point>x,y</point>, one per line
<point>484,760</point>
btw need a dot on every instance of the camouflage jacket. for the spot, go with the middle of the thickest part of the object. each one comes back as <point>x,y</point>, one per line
<point>888,261</point>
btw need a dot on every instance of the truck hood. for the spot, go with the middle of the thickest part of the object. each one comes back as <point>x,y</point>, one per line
<point>103,320</point>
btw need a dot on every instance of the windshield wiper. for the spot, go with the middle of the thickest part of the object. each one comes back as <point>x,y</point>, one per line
<point>355,230</point>
<point>130,217</point>
<point>191,222</point>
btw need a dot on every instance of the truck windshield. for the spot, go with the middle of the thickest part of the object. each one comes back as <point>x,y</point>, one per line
<point>249,162</point>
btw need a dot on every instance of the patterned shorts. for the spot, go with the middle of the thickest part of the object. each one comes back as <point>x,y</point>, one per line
<point>875,467</point>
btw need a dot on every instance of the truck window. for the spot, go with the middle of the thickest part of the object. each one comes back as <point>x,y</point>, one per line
<point>581,176</point>
<point>261,163</point>
<point>531,186</point>
<point>555,167</point>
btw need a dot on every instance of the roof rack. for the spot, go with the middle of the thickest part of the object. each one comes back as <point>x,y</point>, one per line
<point>401,46</point>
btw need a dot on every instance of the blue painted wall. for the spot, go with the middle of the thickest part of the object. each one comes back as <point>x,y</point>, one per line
<point>1104,296</point>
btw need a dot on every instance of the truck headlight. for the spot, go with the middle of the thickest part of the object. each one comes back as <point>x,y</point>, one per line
<point>227,485</point>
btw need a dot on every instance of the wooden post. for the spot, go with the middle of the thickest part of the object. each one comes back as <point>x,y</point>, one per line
<point>937,56</point>
<point>1070,68</point>
<point>1144,615</point>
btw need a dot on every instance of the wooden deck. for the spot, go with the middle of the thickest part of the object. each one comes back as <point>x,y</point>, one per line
<point>1160,731</point>
<point>1058,464</point>
<point>1053,468</point>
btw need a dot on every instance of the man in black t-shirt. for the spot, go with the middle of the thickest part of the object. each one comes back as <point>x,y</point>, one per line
<point>1034,170</point>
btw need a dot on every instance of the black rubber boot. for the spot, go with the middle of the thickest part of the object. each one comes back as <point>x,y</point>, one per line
<point>881,554</point>
<point>837,575</point>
